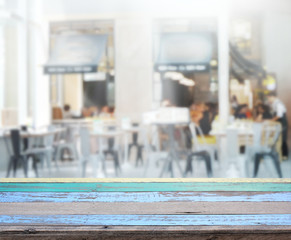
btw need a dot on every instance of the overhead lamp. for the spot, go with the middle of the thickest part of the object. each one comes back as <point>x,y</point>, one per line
<point>213,63</point>
<point>176,76</point>
<point>91,77</point>
<point>187,82</point>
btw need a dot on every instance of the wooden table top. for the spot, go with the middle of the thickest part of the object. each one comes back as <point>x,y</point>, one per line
<point>145,208</point>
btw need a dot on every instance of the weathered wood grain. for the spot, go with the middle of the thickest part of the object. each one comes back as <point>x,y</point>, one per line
<point>151,209</point>
<point>124,208</point>
<point>149,220</point>
<point>145,197</point>
<point>143,180</point>
<point>145,187</point>
<point>146,232</point>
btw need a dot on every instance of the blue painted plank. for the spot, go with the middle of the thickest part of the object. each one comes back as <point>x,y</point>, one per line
<point>145,187</point>
<point>147,220</point>
<point>6,197</point>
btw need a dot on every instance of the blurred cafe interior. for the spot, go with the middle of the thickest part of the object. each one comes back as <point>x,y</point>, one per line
<point>145,88</point>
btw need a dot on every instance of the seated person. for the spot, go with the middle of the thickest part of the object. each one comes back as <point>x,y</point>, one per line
<point>166,103</point>
<point>263,113</point>
<point>234,103</point>
<point>66,112</point>
<point>93,111</point>
<point>86,112</point>
<point>111,111</point>
<point>105,113</point>
<point>241,112</point>
<point>201,117</point>
<point>205,121</point>
<point>195,114</point>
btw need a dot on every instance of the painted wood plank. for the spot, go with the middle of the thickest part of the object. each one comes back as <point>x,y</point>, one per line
<point>145,232</point>
<point>144,187</point>
<point>190,228</point>
<point>6,197</point>
<point>273,180</point>
<point>146,208</point>
<point>148,220</point>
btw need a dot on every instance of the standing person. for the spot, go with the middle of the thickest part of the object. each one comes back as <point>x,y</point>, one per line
<point>280,115</point>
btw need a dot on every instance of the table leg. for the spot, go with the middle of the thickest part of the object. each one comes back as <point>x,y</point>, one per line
<point>101,155</point>
<point>172,157</point>
<point>126,147</point>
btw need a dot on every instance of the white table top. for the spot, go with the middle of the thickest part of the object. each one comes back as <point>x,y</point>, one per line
<point>107,133</point>
<point>36,133</point>
<point>243,128</point>
<point>72,121</point>
<point>132,129</point>
<point>241,132</point>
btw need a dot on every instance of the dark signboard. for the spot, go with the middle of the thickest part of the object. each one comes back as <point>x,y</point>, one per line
<point>180,67</point>
<point>184,52</point>
<point>76,54</point>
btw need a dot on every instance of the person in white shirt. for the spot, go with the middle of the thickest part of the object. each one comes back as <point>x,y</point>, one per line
<point>67,112</point>
<point>280,115</point>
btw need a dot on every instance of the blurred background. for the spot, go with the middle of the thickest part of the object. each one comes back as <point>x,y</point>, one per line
<point>66,65</point>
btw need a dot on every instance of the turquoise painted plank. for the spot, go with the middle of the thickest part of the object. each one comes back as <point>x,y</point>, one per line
<point>6,197</point>
<point>144,187</point>
<point>147,220</point>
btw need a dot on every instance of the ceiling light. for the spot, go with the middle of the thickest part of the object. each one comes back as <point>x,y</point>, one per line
<point>187,82</point>
<point>176,76</point>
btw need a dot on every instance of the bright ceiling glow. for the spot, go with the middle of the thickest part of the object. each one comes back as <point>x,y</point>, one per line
<point>187,82</point>
<point>176,76</point>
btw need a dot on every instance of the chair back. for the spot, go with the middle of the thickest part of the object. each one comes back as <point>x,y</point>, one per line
<point>85,142</point>
<point>201,135</point>
<point>271,134</point>
<point>257,137</point>
<point>232,143</point>
<point>15,141</point>
<point>114,141</point>
<point>53,138</point>
<point>49,140</point>
<point>51,127</point>
<point>58,137</point>
<point>154,137</point>
<point>196,146</point>
<point>146,137</point>
<point>69,134</point>
<point>193,135</point>
<point>149,137</point>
